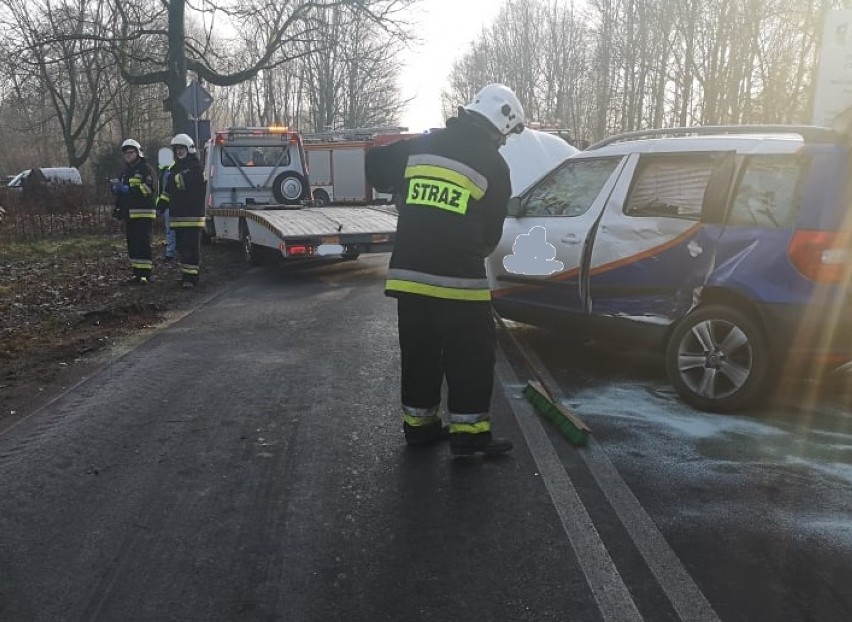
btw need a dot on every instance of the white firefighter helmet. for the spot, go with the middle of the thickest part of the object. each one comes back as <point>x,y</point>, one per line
<point>501,107</point>
<point>132,144</point>
<point>183,140</point>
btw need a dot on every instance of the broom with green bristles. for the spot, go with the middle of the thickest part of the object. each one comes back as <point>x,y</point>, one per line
<point>542,397</point>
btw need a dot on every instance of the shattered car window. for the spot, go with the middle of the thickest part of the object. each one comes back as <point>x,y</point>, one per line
<point>571,189</point>
<point>670,187</point>
<point>769,194</point>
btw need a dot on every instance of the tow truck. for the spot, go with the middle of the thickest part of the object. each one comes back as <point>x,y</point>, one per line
<point>259,194</point>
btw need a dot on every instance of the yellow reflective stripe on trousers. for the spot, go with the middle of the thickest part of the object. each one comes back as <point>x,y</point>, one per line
<point>142,264</point>
<point>187,222</point>
<point>142,213</point>
<point>436,291</point>
<point>470,428</point>
<point>189,269</point>
<point>440,194</point>
<point>418,417</point>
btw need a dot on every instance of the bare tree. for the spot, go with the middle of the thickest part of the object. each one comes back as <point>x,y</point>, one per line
<point>151,51</point>
<point>152,46</point>
<point>345,77</point>
<point>627,64</point>
<point>74,77</point>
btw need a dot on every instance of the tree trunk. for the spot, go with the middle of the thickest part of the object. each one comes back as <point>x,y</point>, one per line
<point>176,82</point>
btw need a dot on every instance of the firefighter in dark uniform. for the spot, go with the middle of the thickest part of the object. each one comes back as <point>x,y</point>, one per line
<point>136,192</point>
<point>183,196</point>
<point>453,186</point>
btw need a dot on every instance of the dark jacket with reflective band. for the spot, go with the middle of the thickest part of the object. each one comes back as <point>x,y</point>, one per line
<point>452,187</point>
<point>140,201</point>
<point>184,193</point>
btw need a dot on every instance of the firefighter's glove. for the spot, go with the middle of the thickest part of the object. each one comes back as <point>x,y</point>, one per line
<point>116,213</point>
<point>119,188</point>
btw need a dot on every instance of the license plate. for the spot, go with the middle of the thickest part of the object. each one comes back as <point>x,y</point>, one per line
<point>329,249</point>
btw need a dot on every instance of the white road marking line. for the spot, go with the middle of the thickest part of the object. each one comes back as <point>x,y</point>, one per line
<point>608,588</point>
<point>686,597</point>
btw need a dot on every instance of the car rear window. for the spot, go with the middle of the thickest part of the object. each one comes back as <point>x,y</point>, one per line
<point>769,193</point>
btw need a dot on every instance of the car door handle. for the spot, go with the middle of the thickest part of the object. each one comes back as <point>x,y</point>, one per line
<point>571,238</point>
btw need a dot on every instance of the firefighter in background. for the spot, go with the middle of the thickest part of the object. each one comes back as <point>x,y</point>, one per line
<point>165,159</point>
<point>453,187</point>
<point>183,196</point>
<point>135,192</point>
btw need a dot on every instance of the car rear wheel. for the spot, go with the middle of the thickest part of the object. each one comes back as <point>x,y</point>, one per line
<point>321,198</point>
<point>289,188</point>
<point>717,358</point>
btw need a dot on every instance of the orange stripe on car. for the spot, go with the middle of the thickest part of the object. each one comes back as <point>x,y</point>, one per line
<point>618,263</point>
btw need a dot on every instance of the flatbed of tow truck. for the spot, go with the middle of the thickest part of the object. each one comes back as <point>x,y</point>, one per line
<point>308,231</point>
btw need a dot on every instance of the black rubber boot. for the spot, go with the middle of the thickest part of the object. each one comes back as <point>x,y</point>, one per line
<point>417,436</point>
<point>462,444</point>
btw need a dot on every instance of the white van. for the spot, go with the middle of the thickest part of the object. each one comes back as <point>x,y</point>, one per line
<point>256,167</point>
<point>60,175</point>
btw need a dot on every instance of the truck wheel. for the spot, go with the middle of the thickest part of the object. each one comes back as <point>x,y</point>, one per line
<point>350,252</point>
<point>209,232</point>
<point>321,198</point>
<point>252,254</point>
<point>289,188</point>
<point>718,360</point>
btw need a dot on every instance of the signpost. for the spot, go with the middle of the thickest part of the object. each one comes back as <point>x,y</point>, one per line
<point>833,94</point>
<point>195,100</point>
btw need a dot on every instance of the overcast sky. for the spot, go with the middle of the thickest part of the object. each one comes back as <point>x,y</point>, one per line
<point>446,29</point>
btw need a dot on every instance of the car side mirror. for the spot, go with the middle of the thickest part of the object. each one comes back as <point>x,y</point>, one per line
<point>515,207</point>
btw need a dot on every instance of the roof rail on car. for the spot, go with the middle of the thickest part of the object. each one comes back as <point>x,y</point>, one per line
<point>811,133</point>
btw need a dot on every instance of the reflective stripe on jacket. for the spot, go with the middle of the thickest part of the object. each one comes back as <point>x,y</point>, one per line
<point>140,201</point>
<point>184,193</point>
<point>452,188</point>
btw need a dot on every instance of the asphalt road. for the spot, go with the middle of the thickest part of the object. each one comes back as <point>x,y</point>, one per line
<point>247,463</point>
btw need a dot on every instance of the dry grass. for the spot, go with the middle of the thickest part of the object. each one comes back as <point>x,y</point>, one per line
<point>61,300</point>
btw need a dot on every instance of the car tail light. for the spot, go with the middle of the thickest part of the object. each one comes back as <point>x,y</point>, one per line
<point>299,250</point>
<point>823,256</point>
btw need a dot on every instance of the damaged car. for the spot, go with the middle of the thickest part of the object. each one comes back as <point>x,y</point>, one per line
<point>727,249</point>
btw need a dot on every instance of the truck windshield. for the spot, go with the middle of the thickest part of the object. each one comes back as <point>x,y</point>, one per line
<point>265,155</point>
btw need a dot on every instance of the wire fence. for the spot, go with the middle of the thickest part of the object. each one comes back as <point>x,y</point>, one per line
<point>65,211</point>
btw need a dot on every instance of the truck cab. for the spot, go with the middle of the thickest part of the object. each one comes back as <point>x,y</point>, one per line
<point>256,168</point>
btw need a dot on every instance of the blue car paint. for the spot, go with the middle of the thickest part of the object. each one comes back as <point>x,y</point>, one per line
<point>660,284</point>
<point>558,292</point>
<point>824,206</point>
